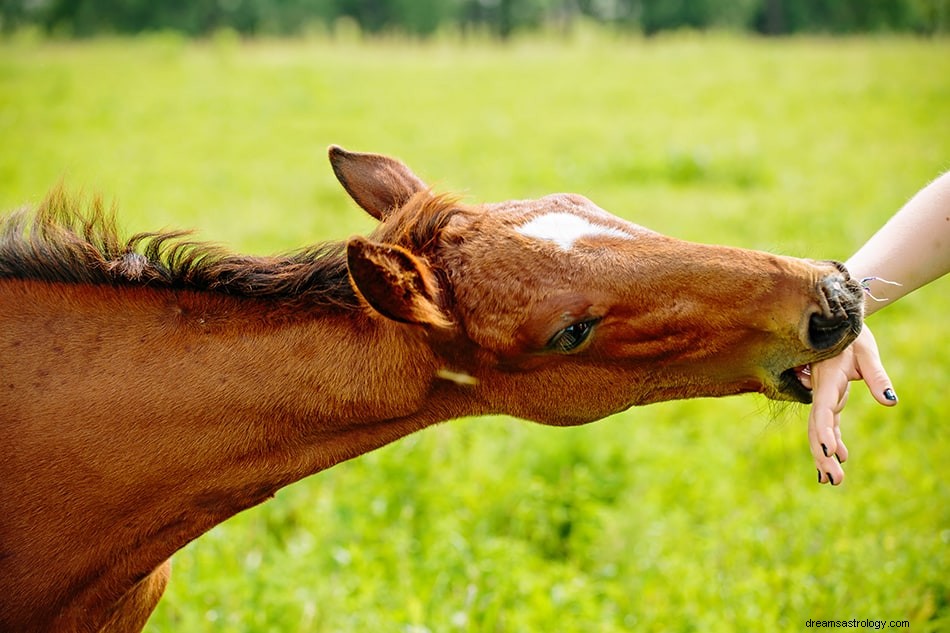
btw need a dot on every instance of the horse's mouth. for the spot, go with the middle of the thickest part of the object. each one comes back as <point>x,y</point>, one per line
<point>795,383</point>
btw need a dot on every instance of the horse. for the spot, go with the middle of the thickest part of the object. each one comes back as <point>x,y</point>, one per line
<point>153,387</point>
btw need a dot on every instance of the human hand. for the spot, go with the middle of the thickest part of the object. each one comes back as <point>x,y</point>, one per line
<point>830,381</point>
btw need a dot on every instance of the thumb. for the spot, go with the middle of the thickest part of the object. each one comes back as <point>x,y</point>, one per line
<point>880,387</point>
<point>868,361</point>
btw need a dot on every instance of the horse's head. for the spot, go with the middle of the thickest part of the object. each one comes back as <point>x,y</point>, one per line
<point>557,311</point>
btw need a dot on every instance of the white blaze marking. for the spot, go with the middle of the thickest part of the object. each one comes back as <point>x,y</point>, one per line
<point>566,228</point>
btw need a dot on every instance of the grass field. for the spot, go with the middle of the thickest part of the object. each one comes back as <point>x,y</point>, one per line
<point>700,515</point>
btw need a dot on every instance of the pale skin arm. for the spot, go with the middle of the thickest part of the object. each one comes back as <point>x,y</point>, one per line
<point>913,249</point>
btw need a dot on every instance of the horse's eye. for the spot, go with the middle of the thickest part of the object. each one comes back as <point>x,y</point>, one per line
<point>572,337</point>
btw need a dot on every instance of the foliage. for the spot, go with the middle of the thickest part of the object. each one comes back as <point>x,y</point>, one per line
<point>691,516</point>
<point>423,18</point>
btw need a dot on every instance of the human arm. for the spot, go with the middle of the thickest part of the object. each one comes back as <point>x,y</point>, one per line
<point>912,249</point>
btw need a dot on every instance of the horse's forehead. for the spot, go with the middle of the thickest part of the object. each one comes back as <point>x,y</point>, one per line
<point>561,220</point>
<point>516,263</point>
<point>516,249</point>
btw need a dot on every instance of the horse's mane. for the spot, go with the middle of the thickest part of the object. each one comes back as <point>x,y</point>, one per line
<point>69,241</point>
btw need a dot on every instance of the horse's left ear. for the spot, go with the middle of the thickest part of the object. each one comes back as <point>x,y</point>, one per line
<point>394,282</point>
<point>377,183</point>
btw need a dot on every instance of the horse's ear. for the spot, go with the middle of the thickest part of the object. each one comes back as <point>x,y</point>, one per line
<point>377,183</point>
<point>394,282</point>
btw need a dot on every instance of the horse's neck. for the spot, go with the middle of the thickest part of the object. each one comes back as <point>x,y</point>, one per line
<point>208,386</point>
<point>156,416</point>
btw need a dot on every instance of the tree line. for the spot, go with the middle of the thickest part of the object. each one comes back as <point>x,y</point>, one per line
<point>502,18</point>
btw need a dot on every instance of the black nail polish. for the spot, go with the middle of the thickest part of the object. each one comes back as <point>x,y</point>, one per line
<point>824,449</point>
<point>837,458</point>
<point>819,476</point>
<point>830,479</point>
<point>890,395</point>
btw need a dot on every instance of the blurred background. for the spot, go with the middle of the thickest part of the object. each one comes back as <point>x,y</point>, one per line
<point>501,18</point>
<point>797,127</point>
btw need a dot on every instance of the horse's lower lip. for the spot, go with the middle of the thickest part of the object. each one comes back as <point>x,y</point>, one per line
<point>795,382</point>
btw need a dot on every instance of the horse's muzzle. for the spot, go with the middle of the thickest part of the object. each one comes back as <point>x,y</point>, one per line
<point>841,301</point>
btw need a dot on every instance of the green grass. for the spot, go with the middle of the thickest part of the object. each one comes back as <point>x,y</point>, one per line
<point>693,516</point>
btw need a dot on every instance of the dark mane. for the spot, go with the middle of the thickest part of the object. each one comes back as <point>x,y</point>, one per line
<point>60,241</point>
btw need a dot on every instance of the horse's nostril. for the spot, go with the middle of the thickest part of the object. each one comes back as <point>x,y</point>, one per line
<point>842,296</point>
<point>840,313</point>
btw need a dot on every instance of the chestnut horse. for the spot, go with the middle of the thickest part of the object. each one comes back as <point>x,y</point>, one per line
<point>152,388</point>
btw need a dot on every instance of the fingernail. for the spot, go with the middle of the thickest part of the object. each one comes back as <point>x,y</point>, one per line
<point>837,458</point>
<point>831,479</point>
<point>890,395</point>
<point>824,449</point>
<point>819,476</point>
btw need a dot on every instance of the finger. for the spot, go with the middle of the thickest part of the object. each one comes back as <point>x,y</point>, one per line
<point>831,388</point>
<point>880,387</point>
<point>831,473</point>
<point>828,466</point>
<point>830,396</point>
<point>820,422</point>
<point>831,463</point>
<point>842,453</point>
<point>868,360</point>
